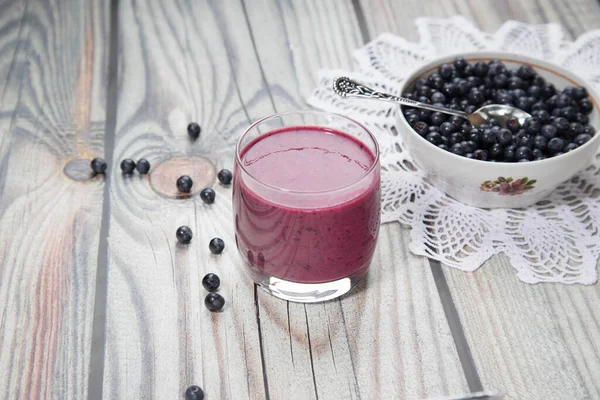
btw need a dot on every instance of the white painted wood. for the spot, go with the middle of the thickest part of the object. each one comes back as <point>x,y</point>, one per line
<point>51,75</point>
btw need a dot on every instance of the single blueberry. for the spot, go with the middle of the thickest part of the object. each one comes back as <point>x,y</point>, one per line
<point>514,82</point>
<point>534,91</point>
<point>580,93</point>
<point>470,109</point>
<point>582,138</point>
<point>480,69</point>
<point>504,137</point>
<point>469,145</point>
<point>98,165</point>
<point>434,137</point>
<point>476,97</point>
<point>184,184</point>
<point>225,176</point>
<point>537,154</point>
<point>438,97</point>
<point>525,72</point>
<point>208,195</point>
<point>412,119</point>
<point>480,154</point>
<point>532,126</point>
<point>458,149</point>
<point>214,302</point>
<point>487,138</point>
<point>561,124</point>
<point>519,93</point>
<point>548,90</point>
<point>450,89</point>
<point>456,137</point>
<point>524,103</point>
<point>513,125</point>
<point>575,128</point>
<point>540,105</point>
<point>194,130</point>
<point>211,282</point>
<point>127,166</point>
<point>526,141</point>
<point>447,128</point>
<point>570,147</point>
<point>443,147</point>
<point>586,106</point>
<point>460,63</point>
<point>524,153</point>
<point>582,119</point>
<point>568,113</point>
<point>588,129</point>
<point>216,245</point>
<point>569,91</point>
<point>496,152</point>
<point>437,118</point>
<point>549,131</point>
<point>445,71</point>
<point>542,116</point>
<point>564,100</point>
<point>556,145</point>
<point>194,393</point>
<point>425,91</point>
<point>509,153</point>
<point>500,81</point>
<point>184,234</point>
<point>142,166</point>
<point>540,142</point>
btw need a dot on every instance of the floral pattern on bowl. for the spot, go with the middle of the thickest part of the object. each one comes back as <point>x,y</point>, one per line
<point>508,186</point>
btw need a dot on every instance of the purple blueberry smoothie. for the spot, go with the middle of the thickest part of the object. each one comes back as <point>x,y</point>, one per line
<point>307,205</point>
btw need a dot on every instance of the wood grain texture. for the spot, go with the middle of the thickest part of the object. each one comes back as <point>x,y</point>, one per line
<point>385,340</point>
<point>537,341</point>
<point>175,68</point>
<point>51,112</point>
<point>240,64</point>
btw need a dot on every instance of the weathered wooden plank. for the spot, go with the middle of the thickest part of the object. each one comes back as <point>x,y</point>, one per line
<point>51,112</point>
<point>154,290</point>
<point>385,340</point>
<point>531,341</point>
<point>160,339</point>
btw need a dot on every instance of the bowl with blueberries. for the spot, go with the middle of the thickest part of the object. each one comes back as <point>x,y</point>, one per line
<point>504,162</point>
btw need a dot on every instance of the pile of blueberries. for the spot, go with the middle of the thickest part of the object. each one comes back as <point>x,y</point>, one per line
<point>559,121</point>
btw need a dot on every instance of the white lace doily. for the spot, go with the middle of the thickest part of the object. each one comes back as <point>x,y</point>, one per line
<point>556,240</point>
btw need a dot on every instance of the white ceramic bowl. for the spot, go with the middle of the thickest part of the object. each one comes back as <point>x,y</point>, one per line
<point>500,184</point>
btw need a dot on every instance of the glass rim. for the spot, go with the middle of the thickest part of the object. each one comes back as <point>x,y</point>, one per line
<point>374,164</point>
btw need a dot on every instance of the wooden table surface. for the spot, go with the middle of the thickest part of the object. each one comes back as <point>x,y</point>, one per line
<point>98,300</point>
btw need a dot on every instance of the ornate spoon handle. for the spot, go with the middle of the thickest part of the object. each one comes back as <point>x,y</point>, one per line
<point>346,87</point>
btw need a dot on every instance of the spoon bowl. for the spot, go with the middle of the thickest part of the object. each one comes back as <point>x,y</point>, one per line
<point>346,87</point>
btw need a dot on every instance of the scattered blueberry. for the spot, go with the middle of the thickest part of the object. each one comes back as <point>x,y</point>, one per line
<point>207,195</point>
<point>142,166</point>
<point>216,246</point>
<point>194,393</point>
<point>98,165</point>
<point>127,166</point>
<point>214,302</point>
<point>184,184</point>
<point>194,130</point>
<point>184,234</point>
<point>211,282</point>
<point>225,176</point>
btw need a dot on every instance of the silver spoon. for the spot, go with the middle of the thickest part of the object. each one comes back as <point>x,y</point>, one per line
<point>346,87</point>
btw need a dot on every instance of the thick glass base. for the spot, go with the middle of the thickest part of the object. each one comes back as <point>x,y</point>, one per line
<point>309,292</point>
